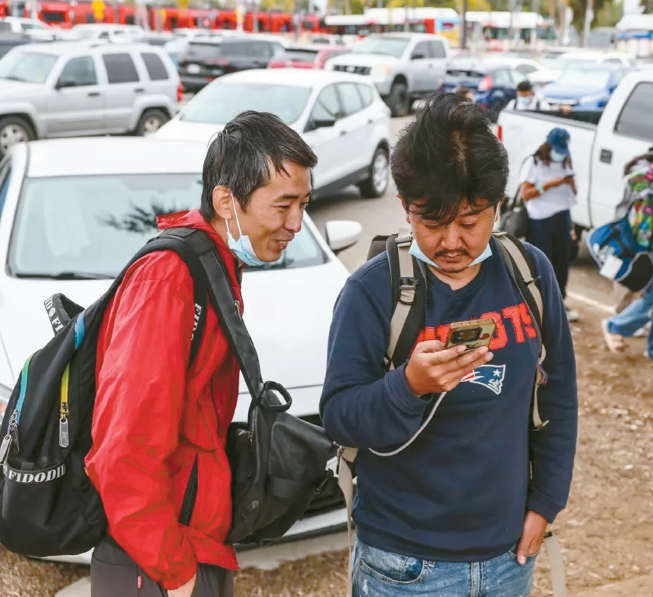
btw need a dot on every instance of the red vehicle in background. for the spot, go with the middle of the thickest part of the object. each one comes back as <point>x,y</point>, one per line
<point>312,57</point>
<point>4,9</point>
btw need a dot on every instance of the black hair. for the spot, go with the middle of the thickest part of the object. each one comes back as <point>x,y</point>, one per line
<point>449,155</point>
<point>242,154</point>
<point>524,86</point>
<point>648,157</point>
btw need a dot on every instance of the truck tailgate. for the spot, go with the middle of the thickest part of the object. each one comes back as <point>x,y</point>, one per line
<point>522,132</point>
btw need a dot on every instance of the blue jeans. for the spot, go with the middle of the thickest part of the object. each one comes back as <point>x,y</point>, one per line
<point>633,317</point>
<point>379,573</point>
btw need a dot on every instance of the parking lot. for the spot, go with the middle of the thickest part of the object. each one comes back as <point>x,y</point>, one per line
<point>85,105</point>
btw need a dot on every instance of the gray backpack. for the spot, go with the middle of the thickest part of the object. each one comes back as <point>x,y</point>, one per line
<point>408,279</point>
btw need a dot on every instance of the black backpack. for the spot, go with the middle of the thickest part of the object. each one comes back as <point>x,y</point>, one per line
<point>48,506</point>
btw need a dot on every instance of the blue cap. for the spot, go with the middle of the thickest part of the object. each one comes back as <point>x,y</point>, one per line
<point>558,139</point>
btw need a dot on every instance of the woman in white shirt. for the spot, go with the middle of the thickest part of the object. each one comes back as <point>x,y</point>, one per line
<point>548,189</point>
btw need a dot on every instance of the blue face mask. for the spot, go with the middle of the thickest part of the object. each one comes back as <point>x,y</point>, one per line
<point>557,156</point>
<point>242,248</point>
<point>416,252</point>
<point>523,101</point>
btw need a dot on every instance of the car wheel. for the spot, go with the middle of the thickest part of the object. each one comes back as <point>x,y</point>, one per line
<point>150,122</point>
<point>377,183</point>
<point>495,108</point>
<point>14,129</point>
<point>399,101</point>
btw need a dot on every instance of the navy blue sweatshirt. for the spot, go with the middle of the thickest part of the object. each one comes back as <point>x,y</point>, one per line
<point>459,493</point>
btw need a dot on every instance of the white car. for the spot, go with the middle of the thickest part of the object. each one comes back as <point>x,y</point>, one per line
<point>74,212</point>
<point>108,31</point>
<point>33,28</point>
<point>578,60</point>
<point>340,116</point>
<point>526,66</point>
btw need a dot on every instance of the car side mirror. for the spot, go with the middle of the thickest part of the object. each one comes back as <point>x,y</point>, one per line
<point>417,56</point>
<point>64,82</point>
<point>342,234</point>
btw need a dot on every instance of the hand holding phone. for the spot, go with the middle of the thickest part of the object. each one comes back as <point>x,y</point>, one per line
<point>432,369</point>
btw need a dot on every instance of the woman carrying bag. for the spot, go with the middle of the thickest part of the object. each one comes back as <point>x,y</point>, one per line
<point>638,204</point>
<point>548,189</point>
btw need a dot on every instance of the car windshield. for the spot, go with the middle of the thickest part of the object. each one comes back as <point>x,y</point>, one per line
<point>387,46</point>
<point>592,79</point>
<point>301,55</point>
<point>221,101</point>
<point>28,67</point>
<point>87,227</point>
<point>200,50</point>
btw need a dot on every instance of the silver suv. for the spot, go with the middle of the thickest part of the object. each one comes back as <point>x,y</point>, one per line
<point>71,89</point>
<point>403,66</point>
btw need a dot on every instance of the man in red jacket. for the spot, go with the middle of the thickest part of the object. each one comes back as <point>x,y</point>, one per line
<point>155,418</point>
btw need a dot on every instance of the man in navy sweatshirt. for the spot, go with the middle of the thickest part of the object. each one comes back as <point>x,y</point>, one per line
<point>463,510</point>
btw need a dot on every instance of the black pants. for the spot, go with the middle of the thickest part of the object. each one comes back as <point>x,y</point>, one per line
<point>553,237</point>
<point>115,574</point>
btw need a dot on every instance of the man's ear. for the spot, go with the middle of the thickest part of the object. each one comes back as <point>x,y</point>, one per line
<point>222,202</point>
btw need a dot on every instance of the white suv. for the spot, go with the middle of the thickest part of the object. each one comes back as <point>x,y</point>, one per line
<point>72,89</point>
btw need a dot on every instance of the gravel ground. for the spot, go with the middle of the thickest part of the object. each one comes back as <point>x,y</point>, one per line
<point>606,532</point>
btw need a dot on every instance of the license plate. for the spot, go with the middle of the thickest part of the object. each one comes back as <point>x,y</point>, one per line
<point>193,69</point>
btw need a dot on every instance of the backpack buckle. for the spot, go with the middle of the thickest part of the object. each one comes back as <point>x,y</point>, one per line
<point>407,287</point>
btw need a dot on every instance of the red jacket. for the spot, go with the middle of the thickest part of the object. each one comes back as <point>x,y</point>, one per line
<point>153,416</point>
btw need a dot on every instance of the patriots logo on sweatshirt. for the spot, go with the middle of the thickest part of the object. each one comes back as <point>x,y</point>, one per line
<point>489,376</point>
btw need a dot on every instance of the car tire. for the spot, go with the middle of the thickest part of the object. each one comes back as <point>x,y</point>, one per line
<point>14,129</point>
<point>151,121</point>
<point>399,101</point>
<point>377,183</point>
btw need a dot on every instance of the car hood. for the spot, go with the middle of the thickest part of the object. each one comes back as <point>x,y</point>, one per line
<point>182,130</point>
<point>10,89</point>
<point>555,91</point>
<point>287,312</point>
<point>363,59</point>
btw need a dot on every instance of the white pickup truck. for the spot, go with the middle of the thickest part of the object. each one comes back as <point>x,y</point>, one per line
<point>602,143</point>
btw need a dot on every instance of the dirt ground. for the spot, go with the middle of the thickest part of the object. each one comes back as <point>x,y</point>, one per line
<point>606,532</point>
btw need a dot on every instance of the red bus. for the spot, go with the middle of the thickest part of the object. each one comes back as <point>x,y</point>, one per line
<point>55,14</point>
<point>4,9</point>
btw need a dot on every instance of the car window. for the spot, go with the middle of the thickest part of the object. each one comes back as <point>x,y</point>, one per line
<point>385,46</point>
<point>28,67</point>
<point>4,26</point>
<point>94,224</point>
<point>367,94</point>
<point>277,50</point>
<point>221,101</point>
<point>437,49</point>
<point>351,99</point>
<point>632,121</point>
<point>80,71</point>
<point>120,68</point>
<point>155,67</point>
<point>517,77</point>
<point>501,77</point>
<point>525,68</point>
<point>5,177</point>
<point>327,105</point>
<point>199,50</point>
<point>423,49</point>
<point>306,56</point>
<point>612,61</point>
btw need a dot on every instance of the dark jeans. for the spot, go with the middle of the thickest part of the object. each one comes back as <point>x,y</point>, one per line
<point>553,237</point>
<point>115,574</point>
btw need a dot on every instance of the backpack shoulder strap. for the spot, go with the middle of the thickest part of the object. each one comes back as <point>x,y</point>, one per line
<point>409,293</point>
<point>521,268</point>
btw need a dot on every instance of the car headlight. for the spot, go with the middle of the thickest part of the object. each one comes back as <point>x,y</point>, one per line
<point>382,69</point>
<point>5,394</point>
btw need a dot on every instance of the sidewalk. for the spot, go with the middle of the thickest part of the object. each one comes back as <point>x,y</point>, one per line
<point>640,586</point>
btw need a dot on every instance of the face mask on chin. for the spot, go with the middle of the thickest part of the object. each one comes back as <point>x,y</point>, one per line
<point>242,248</point>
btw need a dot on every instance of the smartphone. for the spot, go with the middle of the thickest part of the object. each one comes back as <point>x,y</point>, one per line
<point>473,333</point>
